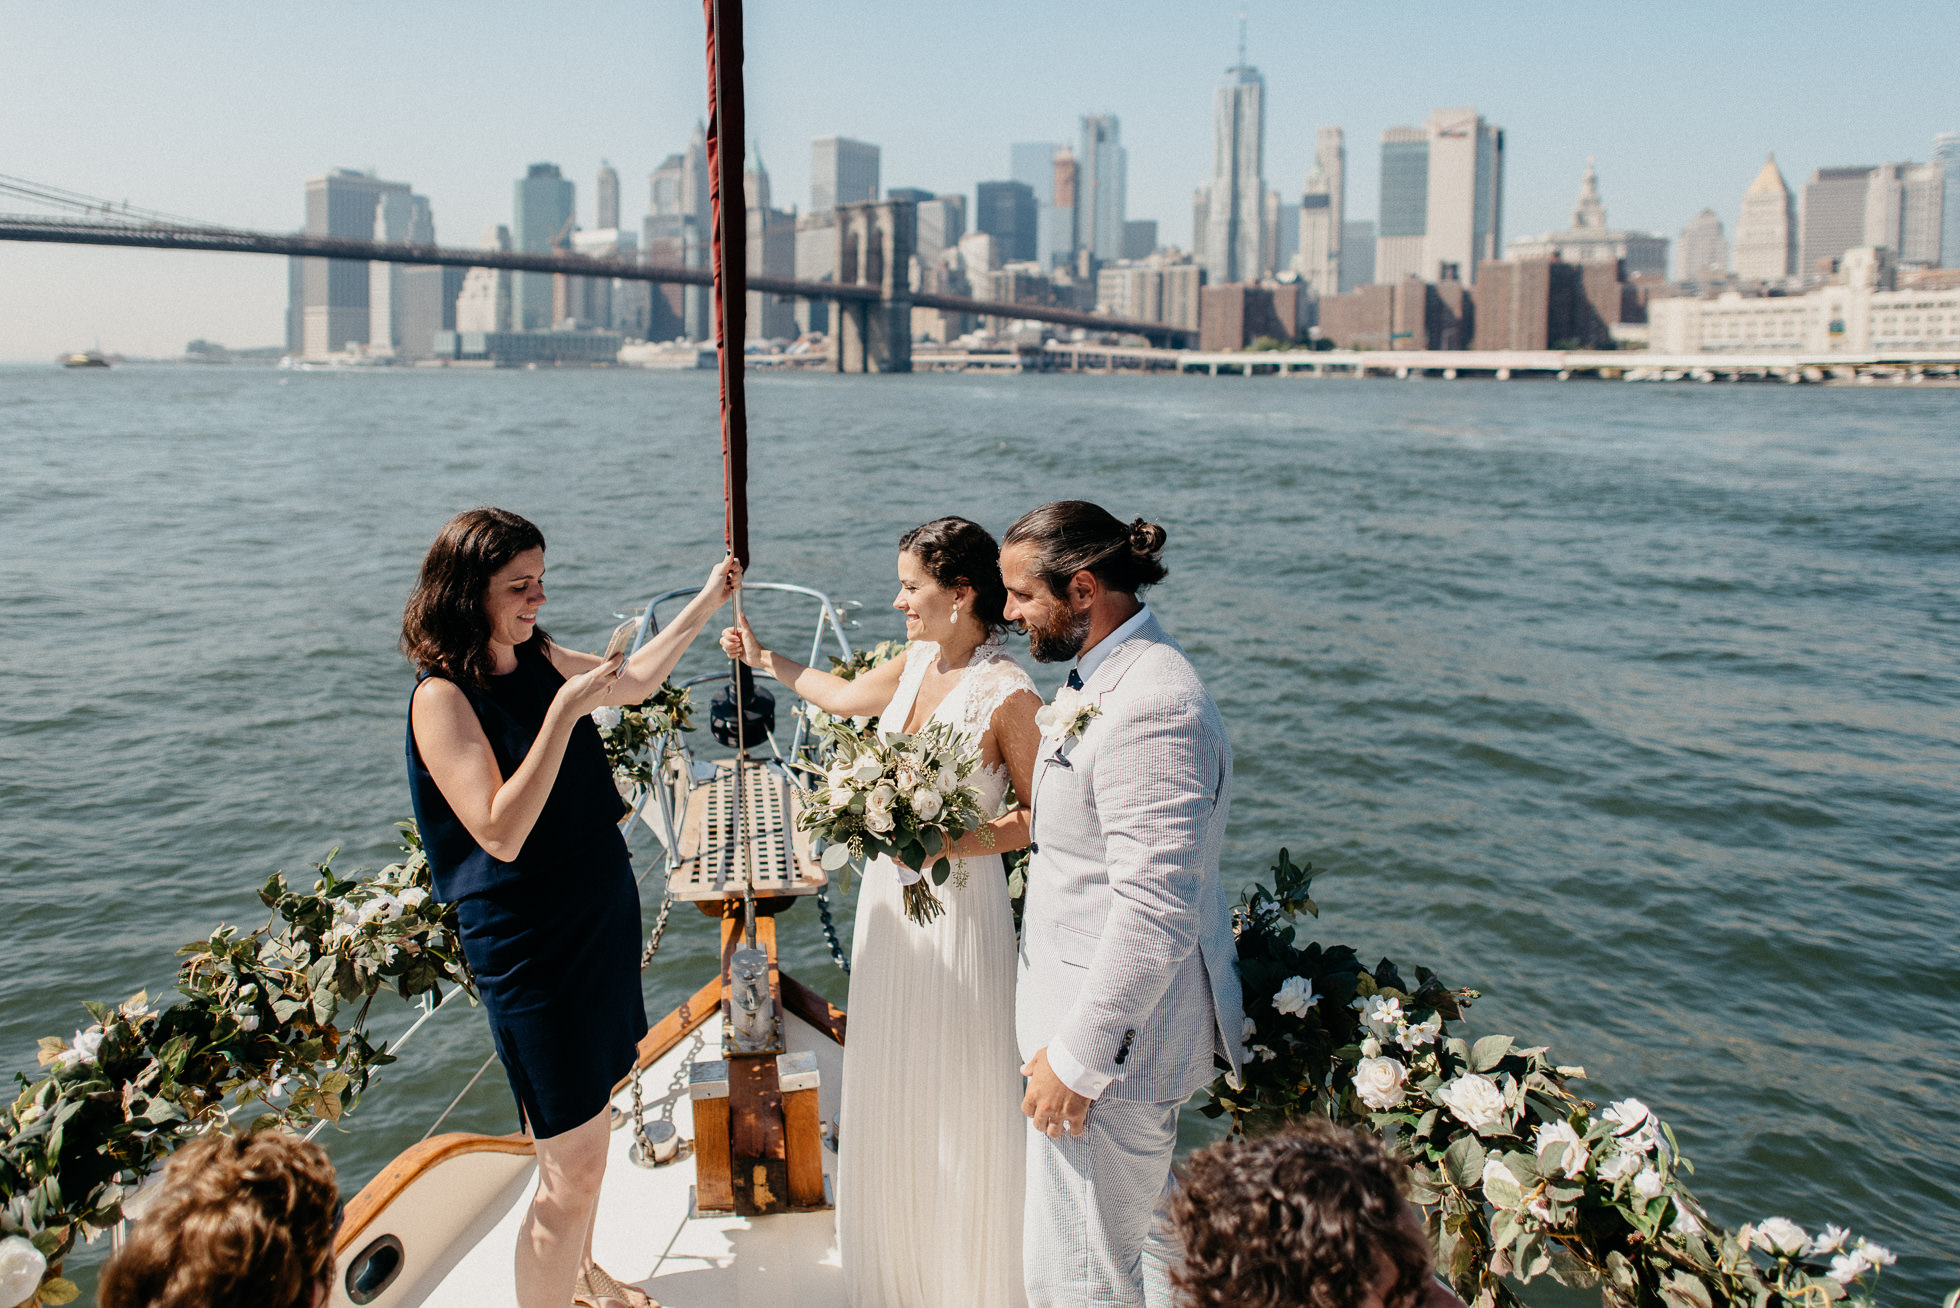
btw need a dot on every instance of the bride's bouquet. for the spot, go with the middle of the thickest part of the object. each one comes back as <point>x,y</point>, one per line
<point>905,797</point>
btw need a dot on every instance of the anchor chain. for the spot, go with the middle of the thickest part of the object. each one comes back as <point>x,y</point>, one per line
<point>659,930</point>
<point>830,932</point>
<point>640,1140</point>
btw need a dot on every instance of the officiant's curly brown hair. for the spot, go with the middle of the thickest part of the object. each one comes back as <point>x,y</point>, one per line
<point>1317,1215</point>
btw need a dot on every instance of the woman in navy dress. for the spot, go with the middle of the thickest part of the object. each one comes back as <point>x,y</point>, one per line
<point>520,819</point>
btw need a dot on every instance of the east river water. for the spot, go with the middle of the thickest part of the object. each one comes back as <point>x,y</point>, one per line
<point>1632,706</point>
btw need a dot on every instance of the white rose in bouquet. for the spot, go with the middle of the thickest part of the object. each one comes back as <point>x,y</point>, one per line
<point>946,780</point>
<point>21,1269</point>
<point>1380,1082</point>
<point>1474,1099</point>
<point>927,803</point>
<point>839,798</point>
<point>1573,1164</point>
<point>878,810</point>
<point>906,776</point>
<point>867,769</point>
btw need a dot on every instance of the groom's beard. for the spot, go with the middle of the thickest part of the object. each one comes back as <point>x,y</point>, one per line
<point>1057,644</point>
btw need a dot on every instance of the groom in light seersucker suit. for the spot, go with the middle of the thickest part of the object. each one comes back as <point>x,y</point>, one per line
<point>1128,982</point>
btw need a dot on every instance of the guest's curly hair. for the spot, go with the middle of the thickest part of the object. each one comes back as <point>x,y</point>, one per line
<point>240,1222</point>
<point>1313,1216</point>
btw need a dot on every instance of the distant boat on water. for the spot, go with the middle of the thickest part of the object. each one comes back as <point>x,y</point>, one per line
<point>85,359</point>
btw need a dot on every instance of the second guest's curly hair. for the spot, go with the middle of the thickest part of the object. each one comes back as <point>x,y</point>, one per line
<point>1317,1216</point>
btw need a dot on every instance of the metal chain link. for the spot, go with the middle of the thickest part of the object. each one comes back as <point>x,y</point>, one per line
<point>653,947</point>
<point>830,932</point>
<point>659,930</point>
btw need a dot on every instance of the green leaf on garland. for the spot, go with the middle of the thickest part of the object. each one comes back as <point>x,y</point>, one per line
<point>1463,1162</point>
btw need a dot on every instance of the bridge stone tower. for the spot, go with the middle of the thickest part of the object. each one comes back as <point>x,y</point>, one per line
<point>877,240</point>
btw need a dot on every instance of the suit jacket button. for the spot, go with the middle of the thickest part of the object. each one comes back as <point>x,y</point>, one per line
<point>1033,848</point>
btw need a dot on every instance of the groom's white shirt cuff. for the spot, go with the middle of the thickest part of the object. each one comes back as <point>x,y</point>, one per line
<point>1072,1074</point>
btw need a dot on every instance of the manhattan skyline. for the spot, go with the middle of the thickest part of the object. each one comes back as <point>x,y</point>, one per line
<point>224,121</point>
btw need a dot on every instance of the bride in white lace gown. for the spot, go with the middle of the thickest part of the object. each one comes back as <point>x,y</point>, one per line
<point>932,1140</point>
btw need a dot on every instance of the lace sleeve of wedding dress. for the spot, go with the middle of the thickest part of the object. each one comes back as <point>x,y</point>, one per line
<point>988,687</point>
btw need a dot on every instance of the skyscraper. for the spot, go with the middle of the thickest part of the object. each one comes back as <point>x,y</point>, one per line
<point>1101,187</point>
<point>399,216</point>
<point>1466,194</point>
<point>1704,249</point>
<point>1234,245</point>
<point>1357,254</point>
<point>1835,208</point>
<point>1323,212</point>
<point>1065,219</point>
<point>542,210</point>
<point>842,171</point>
<point>939,223</point>
<point>1007,212</point>
<point>1922,213</point>
<point>336,295</point>
<point>1946,153</point>
<point>1403,213</point>
<point>1766,234</point>
<point>606,212</point>
<point>676,231</point>
<point>1033,163</point>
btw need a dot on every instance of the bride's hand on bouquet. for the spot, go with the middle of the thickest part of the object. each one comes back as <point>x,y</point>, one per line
<point>739,642</point>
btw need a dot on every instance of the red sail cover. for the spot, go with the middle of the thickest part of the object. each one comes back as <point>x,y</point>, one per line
<point>726,132</point>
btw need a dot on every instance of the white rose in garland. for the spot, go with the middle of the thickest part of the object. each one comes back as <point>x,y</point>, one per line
<point>21,1270</point>
<point>1647,1183</point>
<point>1381,1082</point>
<point>1474,1099</point>
<point>1781,1236</point>
<point>1296,995</point>
<point>1619,1165</point>
<point>1573,1162</point>
<point>608,716</point>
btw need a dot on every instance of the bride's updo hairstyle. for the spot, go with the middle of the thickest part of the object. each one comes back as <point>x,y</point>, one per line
<point>1070,536</point>
<point>444,628</point>
<point>955,553</point>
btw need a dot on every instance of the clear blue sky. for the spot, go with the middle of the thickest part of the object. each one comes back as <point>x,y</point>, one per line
<point>222,110</point>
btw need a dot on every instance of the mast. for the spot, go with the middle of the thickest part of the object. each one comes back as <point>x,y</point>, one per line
<point>730,255</point>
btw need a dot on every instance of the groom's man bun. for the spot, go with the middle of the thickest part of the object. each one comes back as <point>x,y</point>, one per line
<point>1071,536</point>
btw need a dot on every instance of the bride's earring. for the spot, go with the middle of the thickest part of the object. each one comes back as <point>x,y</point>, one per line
<point>956,615</point>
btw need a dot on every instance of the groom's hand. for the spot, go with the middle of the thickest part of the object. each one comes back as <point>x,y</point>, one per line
<point>1053,1106</point>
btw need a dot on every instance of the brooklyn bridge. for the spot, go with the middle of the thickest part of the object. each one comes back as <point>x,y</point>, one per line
<point>871,331</point>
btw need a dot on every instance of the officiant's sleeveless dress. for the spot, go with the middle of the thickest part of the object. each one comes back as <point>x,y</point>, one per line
<point>932,1144</point>
<point>552,937</point>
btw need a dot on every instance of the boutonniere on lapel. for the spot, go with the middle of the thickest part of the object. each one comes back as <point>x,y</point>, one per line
<point>1065,718</point>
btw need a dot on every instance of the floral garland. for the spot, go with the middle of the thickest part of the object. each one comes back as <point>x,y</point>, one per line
<point>629,732</point>
<point>260,1028</point>
<point>1517,1176</point>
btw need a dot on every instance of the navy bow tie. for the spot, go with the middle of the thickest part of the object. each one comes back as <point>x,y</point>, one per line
<point>1074,679</point>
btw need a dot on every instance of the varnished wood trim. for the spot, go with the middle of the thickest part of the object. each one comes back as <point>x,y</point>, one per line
<point>813,1008</point>
<point>674,1028</point>
<point>409,1166</point>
